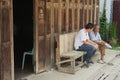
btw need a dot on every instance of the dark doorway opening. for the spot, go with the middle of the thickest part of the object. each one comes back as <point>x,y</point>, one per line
<point>23,36</point>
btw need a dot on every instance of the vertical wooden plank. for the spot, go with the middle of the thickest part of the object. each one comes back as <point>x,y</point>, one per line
<point>40,36</point>
<point>70,19</point>
<point>6,41</point>
<point>83,14</point>
<point>63,17</point>
<point>0,41</point>
<point>12,39</point>
<point>41,54</point>
<point>92,11</point>
<point>87,11</point>
<point>49,60</point>
<point>52,34</point>
<point>75,19</point>
<point>73,13</point>
<point>78,15</point>
<point>97,15</point>
<point>67,15</point>
<point>56,18</point>
<point>95,4</point>
<point>59,16</point>
<point>97,12</point>
<point>48,28</point>
<point>35,35</point>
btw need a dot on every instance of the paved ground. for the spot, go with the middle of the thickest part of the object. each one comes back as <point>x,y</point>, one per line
<point>96,71</point>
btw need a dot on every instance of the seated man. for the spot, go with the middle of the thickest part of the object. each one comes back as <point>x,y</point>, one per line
<point>83,43</point>
<point>95,36</point>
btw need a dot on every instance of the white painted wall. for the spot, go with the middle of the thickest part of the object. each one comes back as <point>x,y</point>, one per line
<point>108,7</point>
<point>101,5</point>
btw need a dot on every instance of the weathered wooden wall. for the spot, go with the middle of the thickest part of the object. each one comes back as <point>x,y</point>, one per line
<point>63,16</point>
<point>70,15</point>
<point>51,17</point>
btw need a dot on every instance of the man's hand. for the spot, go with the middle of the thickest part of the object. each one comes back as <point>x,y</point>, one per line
<point>95,45</point>
<point>92,43</point>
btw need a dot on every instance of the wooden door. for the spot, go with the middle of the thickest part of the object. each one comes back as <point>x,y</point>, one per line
<point>6,41</point>
<point>41,38</point>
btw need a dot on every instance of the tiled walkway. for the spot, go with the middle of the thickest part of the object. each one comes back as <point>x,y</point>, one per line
<point>96,71</point>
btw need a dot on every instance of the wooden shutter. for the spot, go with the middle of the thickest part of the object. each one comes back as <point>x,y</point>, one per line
<point>42,38</point>
<point>6,41</point>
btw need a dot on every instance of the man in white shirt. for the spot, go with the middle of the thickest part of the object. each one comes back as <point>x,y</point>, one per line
<point>95,36</point>
<point>83,43</point>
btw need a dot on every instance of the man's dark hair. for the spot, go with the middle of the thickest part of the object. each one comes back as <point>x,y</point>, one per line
<point>89,26</point>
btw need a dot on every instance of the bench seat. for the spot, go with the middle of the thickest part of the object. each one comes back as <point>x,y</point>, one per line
<point>73,54</point>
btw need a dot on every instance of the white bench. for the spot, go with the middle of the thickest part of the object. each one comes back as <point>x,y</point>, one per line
<point>67,59</point>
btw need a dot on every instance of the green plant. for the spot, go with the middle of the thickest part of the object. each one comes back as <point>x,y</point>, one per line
<point>113,33</point>
<point>103,24</point>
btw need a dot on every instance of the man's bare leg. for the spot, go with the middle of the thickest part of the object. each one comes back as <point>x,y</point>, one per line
<point>102,51</point>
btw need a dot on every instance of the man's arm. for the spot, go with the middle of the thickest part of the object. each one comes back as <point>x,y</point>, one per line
<point>89,42</point>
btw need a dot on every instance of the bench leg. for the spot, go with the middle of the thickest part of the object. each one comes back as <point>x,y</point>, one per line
<point>73,66</point>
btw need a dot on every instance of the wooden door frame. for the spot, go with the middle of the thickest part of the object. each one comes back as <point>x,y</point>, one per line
<point>34,36</point>
<point>7,4</point>
<point>12,40</point>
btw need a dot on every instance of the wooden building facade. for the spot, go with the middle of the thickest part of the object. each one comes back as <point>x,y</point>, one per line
<point>50,18</point>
